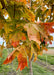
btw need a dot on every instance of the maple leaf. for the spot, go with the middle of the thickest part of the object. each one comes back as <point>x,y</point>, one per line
<point>17,36</point>
<point>23,38</point>
<point>22,61</point>
<point>20,54</point>
<point>15,44</point>
<point>48,27</point>
<point>11,57</point>
<point>31,15</point>
<point>32,33</point>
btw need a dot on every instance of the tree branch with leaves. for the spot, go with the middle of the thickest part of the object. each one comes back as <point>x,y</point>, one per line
<point>21,30</point>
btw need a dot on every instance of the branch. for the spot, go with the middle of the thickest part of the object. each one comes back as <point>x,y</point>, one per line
<point>3,4</point>
<point>14,11</point>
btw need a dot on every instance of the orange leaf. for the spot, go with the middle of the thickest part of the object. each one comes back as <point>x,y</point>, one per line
<point>11,57</point>
<point>50,42</point>
<point>15,44</point>
<point>9,60</point>
<point>48,23</point>
<point>45,49</point>
<point>24,1</point>
<point>22,61</point>
<point>23,38</point>
<point>48,27</point>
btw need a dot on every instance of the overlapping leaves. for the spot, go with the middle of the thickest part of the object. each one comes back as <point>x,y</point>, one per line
<point>20,31</point>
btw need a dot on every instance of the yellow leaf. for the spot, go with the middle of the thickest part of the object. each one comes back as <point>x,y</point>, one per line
<point>1,49</point>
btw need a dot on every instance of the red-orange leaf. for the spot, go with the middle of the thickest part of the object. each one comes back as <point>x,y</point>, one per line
<point>9,60</point>
<point>48,27</point>
<point>15,44</point>
<point>23,38</point>
<point>48,23</point>
<point>22,61</point>
<point>11,57</point>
